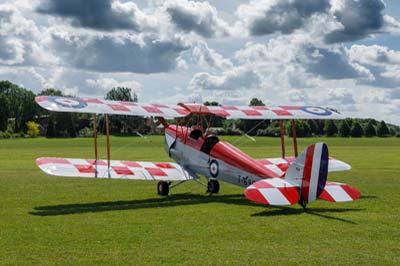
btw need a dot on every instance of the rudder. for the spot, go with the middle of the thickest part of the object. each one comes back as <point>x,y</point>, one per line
<point>309,171</point>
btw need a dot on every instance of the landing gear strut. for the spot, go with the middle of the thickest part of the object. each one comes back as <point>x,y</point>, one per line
<point>213,186</point>
<point>163,188</point>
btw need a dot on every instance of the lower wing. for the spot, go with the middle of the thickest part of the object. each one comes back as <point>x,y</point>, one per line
<point>164,171</point>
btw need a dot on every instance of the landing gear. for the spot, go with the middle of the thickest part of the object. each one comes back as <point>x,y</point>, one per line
<point>163,188</point>
<point>213,186</point>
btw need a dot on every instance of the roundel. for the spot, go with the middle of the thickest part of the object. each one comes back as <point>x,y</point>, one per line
<point>67,102</point>
<point>315,110</point>
<point>214,168</point>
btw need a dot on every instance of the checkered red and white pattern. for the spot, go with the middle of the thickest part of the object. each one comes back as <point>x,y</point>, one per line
<point>272,191</point>
<point>118,169</point>
<point>338,192</point>
<point>274,112</point>
<point>88,105</point>
<point>280,165</point>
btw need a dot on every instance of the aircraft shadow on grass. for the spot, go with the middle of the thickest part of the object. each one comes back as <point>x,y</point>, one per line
<point>182,200</point>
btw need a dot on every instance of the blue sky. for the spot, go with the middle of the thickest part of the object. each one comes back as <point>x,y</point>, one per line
<point>338,53</point>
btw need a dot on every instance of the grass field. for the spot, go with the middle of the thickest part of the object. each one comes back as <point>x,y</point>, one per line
<point>46,220</point>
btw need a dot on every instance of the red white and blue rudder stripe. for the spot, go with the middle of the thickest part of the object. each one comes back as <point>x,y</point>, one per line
<point>315,172</point>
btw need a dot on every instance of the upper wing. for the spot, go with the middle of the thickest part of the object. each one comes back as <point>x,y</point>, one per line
<point>118,169</point>
<point>90,105</point>
<point>280,165</point>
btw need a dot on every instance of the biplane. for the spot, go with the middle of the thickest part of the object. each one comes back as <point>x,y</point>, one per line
<point>197,152</point>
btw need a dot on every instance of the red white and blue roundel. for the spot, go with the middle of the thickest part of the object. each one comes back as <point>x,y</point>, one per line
<point>316,110</point>
<point>67,102</point>
<point>214,168</point>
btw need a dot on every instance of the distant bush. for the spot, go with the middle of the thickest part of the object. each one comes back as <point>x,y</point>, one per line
<point>10,135</point>
<point>86,132</point>
<point>32,129</point>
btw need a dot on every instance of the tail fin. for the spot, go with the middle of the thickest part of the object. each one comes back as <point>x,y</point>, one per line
<point>309,171</point>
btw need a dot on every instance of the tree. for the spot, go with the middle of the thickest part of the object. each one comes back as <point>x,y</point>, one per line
<point>217,121</point>
<point>51,129</point>
<point>121,94</point>
<point>59,124</point>
<point>314,130</point>
<point>392,132</point>
<point>17,103</point>
<point>120,124</point>
<point>256,102</point>
<point>250,126</point>
<point>356,130</point>
<point>302,128</point>
<point>330,128</point>
<point>382,129</point>
<point>369,130</point>
<point>344,129</point>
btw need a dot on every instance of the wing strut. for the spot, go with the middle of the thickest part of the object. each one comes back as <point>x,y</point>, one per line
<point>293,122</point>
<point>95,143</point>
<point>282,130</point>
<point>108,145</point>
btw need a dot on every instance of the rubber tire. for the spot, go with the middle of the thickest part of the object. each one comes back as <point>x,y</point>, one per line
<point>162,188</point>
<point>213,186</point>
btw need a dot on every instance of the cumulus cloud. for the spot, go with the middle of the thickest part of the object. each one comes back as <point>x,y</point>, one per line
<point>336,21</point>
<point>207,57</point>
<point>375,96</point>
<point>106,84</point>
<point>12,51</point>
<point>198,17</point>
<point>21,41</point>
<point>358,19</point>
<point>122,53</point>
<point>100,14</point>
<point>266,16</point>
<point>291,54</point>
<point>383,64</point>
<point>234,79</point>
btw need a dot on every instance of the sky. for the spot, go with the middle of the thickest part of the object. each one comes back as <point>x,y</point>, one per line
<point>343,54</point>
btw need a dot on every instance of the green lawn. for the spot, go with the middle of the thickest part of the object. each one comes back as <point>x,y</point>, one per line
<point>46,220</point>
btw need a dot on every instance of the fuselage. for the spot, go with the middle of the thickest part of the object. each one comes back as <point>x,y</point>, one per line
<point>204,154</point>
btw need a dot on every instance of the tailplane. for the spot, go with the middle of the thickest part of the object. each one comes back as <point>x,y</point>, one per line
<point>304,180</point>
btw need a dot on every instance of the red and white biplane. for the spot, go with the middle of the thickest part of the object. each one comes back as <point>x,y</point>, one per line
<point>273,181</point>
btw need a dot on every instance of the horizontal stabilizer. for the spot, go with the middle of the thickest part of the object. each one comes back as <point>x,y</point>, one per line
<point>280,165</point>
<point>118,169</point>
<point>272,191</point>
<point>338,192</point>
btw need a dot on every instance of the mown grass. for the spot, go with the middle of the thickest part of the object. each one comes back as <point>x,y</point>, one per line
<point>47,220</point>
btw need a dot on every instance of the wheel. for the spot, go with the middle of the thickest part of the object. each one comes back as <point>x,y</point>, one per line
<point>163,188</point>
<point>213,186</point>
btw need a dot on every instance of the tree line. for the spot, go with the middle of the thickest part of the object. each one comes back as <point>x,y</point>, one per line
<point>21,116</point>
